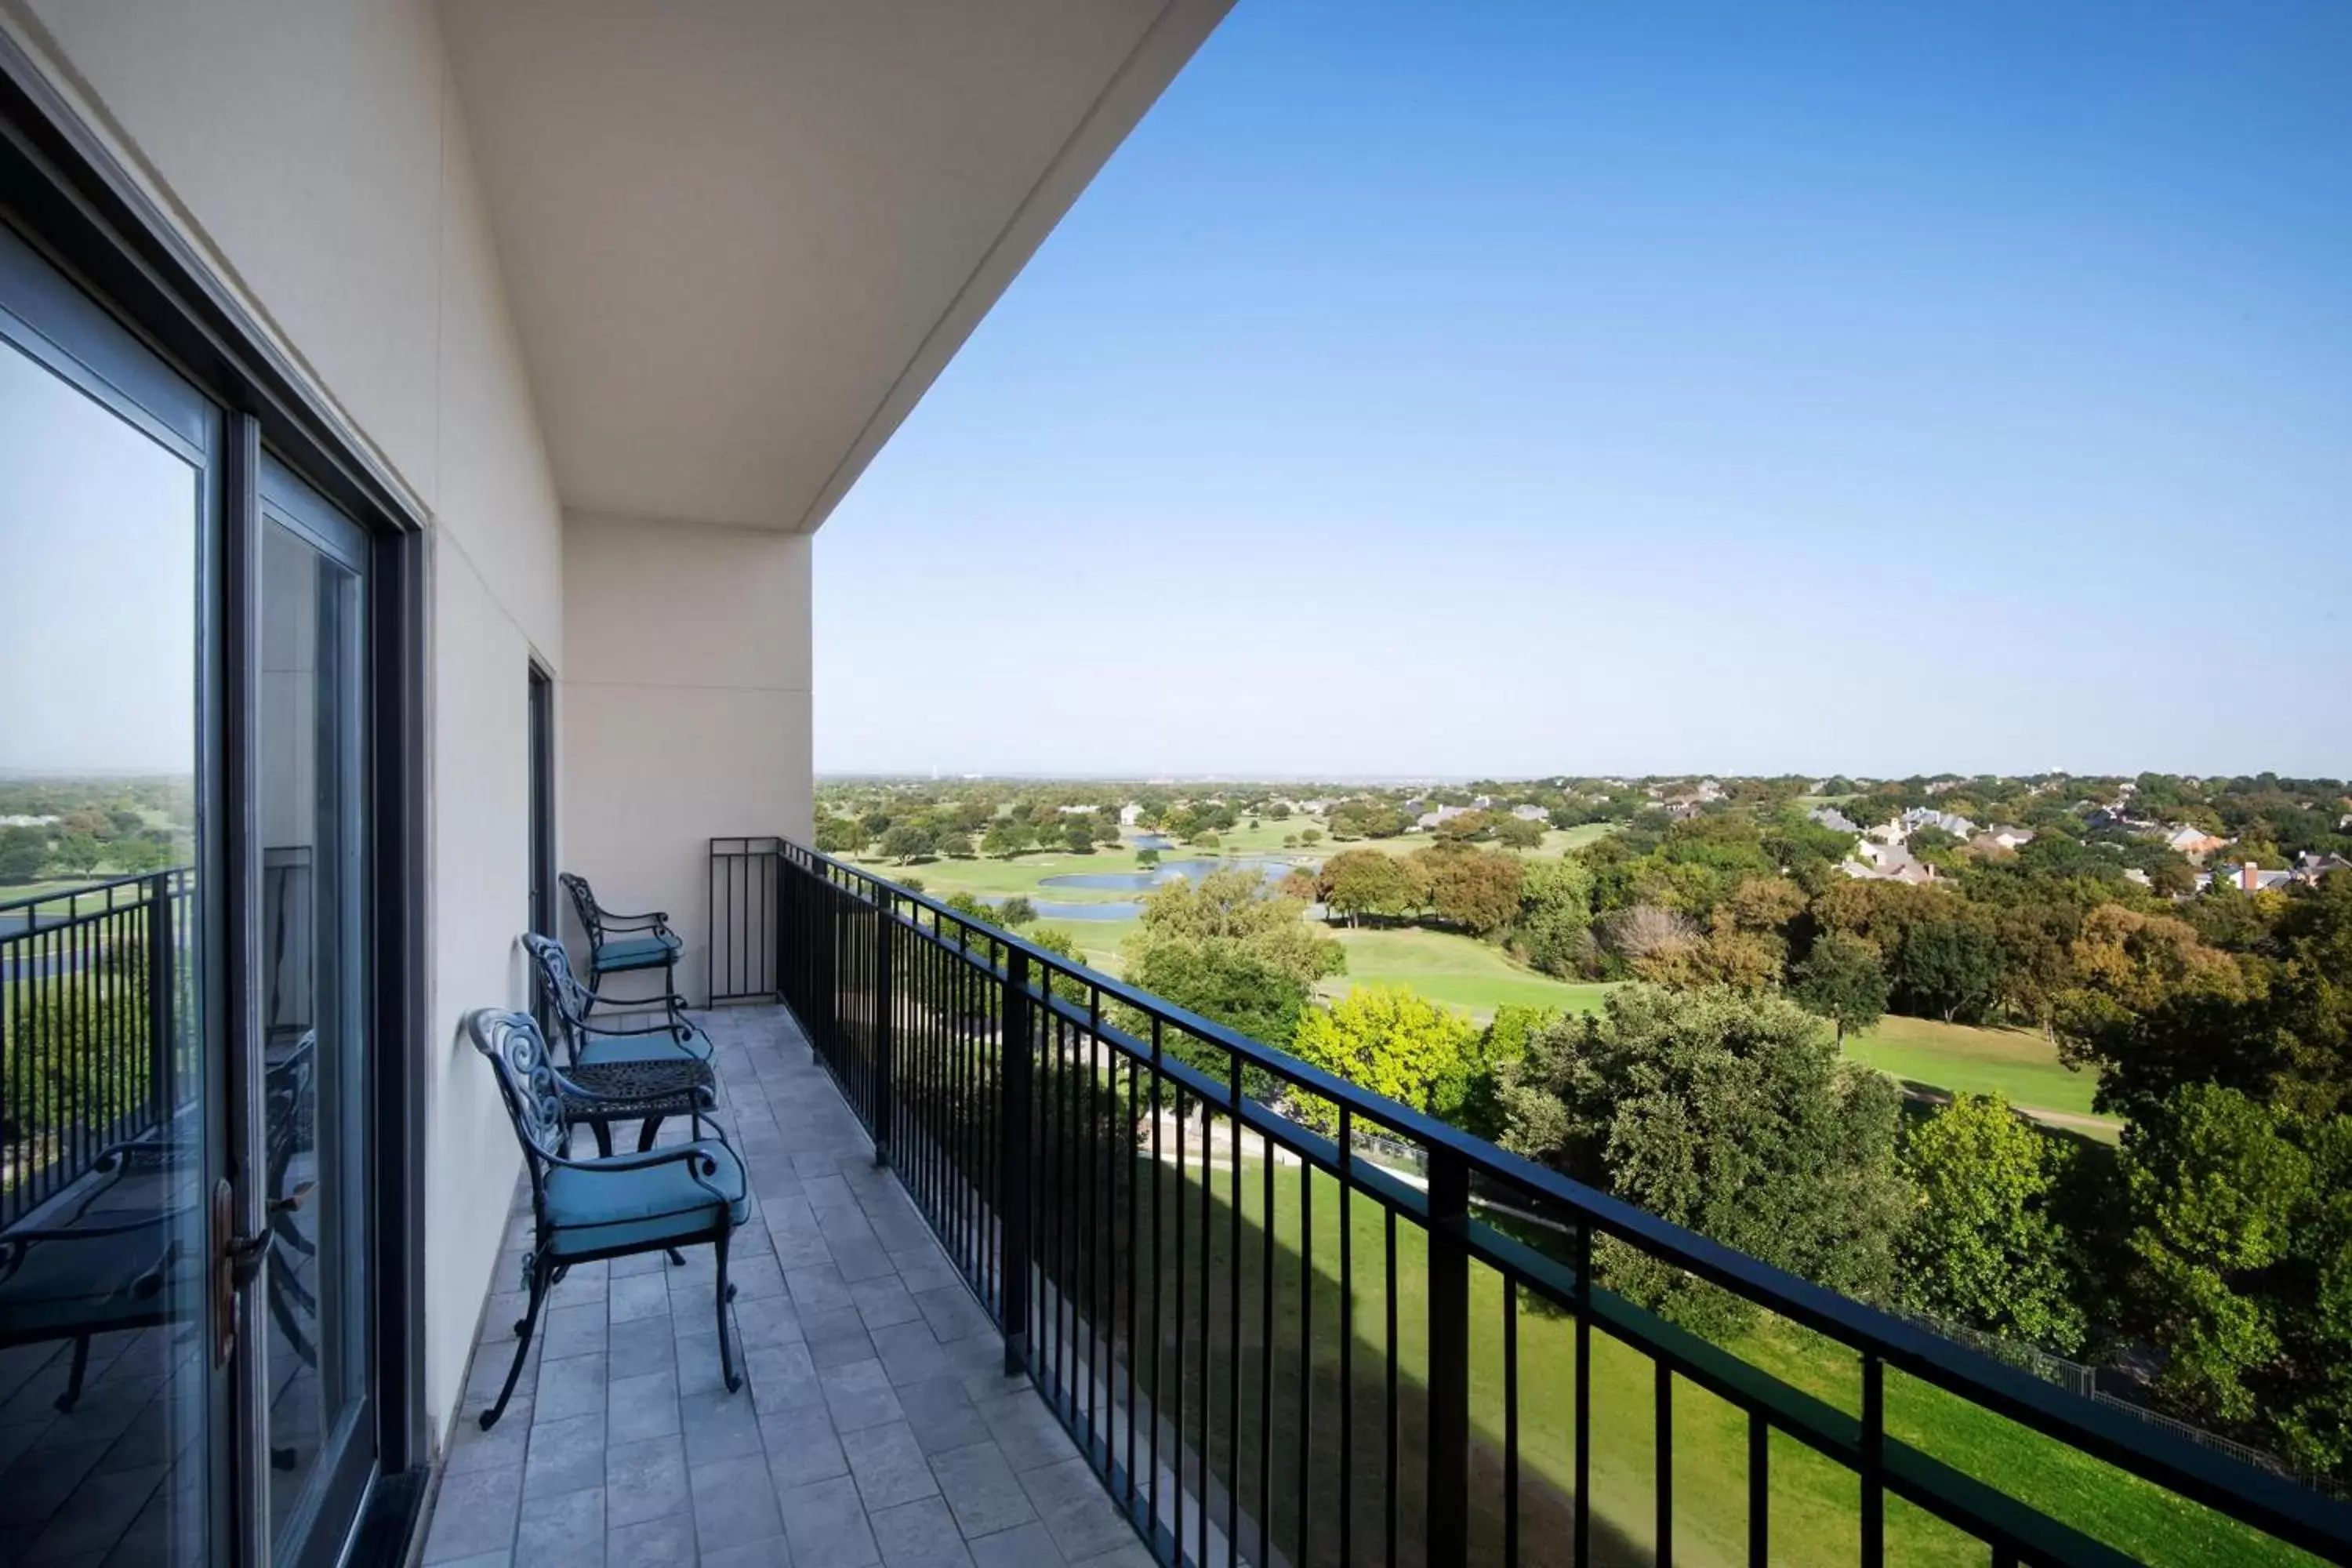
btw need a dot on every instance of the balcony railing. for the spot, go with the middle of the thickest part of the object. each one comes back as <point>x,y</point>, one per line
<point>1275,1348</point>
<point>91,1007</point>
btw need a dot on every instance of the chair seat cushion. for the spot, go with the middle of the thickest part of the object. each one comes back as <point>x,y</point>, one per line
<point>91,1284</point>
<point>590,1209</point>
<point>686,1044</point>
<point>637,952</point>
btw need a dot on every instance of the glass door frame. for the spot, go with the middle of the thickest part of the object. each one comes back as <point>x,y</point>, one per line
<point>65,195</point>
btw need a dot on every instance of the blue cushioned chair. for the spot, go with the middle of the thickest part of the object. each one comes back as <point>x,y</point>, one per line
<point>622,944</point>
<point>652,1201</point>
<point>646,1071</point>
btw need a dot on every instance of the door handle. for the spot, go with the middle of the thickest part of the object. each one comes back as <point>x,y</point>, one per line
<point>238,1260</point>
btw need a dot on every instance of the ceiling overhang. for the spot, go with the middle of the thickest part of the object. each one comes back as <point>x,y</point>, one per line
<point>740,237</point>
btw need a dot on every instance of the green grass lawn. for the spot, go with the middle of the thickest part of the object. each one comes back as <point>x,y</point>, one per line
<point>1456,970</point>
<point>1814,1502</point>
<point>2017,1064</point>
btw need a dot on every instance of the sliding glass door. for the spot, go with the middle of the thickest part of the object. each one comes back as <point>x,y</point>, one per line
<point>112,1395</point>
<point>189,1342</point>
<point>310,727</point>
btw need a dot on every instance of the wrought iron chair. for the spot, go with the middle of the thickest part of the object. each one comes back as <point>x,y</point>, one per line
<point>622,944</point>
<point>614,1207</point>
<point>648,1071</point>
<point>128,1267</point>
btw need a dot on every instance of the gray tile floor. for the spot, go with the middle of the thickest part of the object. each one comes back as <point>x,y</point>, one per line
<point>875,1424</point>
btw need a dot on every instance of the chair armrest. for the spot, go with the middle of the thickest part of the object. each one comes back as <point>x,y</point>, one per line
<point>658,918</point>
<point>643,1160</point>
<point>677,1025</point>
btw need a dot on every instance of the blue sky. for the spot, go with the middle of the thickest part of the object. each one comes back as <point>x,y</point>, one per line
<point>1502,389</point>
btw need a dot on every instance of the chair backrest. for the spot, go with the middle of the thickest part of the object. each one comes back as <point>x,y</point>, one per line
<point>567,1000</point>
<point>584,905</point>
<point>526,1080</point>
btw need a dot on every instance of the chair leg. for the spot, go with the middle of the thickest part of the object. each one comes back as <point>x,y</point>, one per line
<point>645,1134</point>
<point>540,1270</point>
<point>676,1259</point>
<point>726,1293</point>
<point>604,1131</point>
<point>72,1395</point>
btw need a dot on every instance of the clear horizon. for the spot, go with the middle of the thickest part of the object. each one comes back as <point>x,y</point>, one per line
<point>1503,394</point>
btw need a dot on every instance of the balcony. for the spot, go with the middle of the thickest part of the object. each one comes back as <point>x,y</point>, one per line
<point>877,1424</point>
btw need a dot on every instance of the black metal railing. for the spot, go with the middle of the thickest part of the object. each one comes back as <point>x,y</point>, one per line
<point>744,945</point>
<point>93,1036</point>
<point>1274,1349</point>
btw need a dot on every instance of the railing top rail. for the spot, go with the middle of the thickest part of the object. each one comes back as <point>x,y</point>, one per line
<point>2233,1486</point>
<point>108,885</point>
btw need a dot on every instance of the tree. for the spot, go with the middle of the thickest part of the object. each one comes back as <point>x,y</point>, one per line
<point>2214,1187</point>
<point>22,852</point>
<point>138,855</point>
<point>1983,1247</point>
<point>1386,1039</point>
<point>1555,919</point>
<point>1233,950</point>
<point>1517,832</point>
<point>1079,836</point>
<point>906,842</point>
<point>1310,835</point>
<point>1015,911</point>
<point>1358,883</point>
<point>1477,891</point>
<point>1148,860</point>
<point>1656,942</point>
<point>839,836</point>
<point>955,845</point>
<point>1845,980</point>
<point>1736,1116</point>
<point>1008,836</point>
<point>1948,967</point>
<point>78,852</point>
<point>1471,1098</point>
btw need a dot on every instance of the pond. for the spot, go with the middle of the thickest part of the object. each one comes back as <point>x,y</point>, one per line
<point>1273,870</point>
<point>1151,841</point>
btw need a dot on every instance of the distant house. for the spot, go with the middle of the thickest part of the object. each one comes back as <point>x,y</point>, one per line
<point>1920,817</point>
<point>2193,842</point>
<point>2249,877</point>
<point>1430,819</point>
<point>2009,838</point>
<point>1833,819</point>
<point>1874,861</point>
<point>1127,814</point>
<point>2311,866</point>
<point>1531,814</point>
<point>30,821</point>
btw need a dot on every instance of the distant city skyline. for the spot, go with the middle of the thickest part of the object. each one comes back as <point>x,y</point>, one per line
<point>1515,390</point>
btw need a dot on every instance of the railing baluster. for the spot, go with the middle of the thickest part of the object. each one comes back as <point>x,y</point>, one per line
<point>1448,1425</point>
<point>1665,1433</point>
<point>885,1100</point>
<point>1759,1490</point>
<point>1511,1421</point>
<point>1012,1163</point>
<point>1874,1461</point>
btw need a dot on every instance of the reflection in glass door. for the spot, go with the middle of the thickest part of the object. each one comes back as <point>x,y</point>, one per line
<point>312,787</point>
<point>110,1396</point>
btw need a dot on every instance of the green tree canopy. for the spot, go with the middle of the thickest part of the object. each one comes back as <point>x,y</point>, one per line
<point>1733,1115</point>
<point>1386,1039</point>
<point>1983,1247</point>
<point>1842,979</point>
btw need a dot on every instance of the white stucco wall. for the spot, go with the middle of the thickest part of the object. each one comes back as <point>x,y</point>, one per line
<point>685,710</point>
<point>312,151</point>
